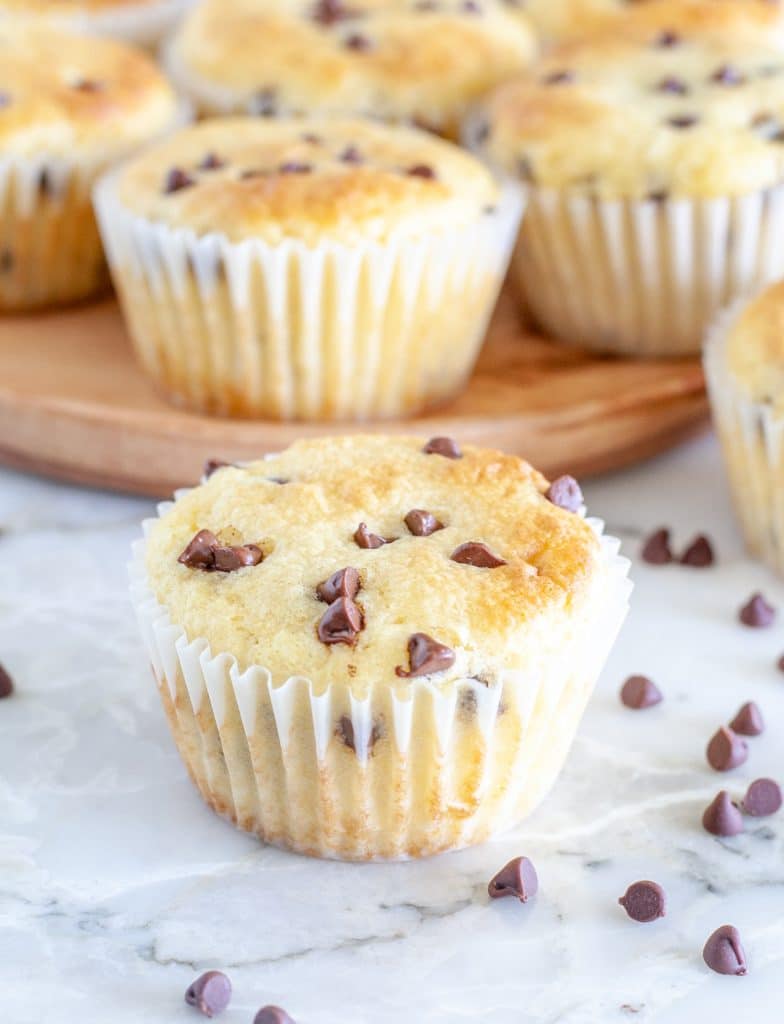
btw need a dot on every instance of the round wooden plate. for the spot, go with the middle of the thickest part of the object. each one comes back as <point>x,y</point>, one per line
<point>73,404</point>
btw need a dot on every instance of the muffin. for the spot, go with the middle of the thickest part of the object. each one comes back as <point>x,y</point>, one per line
<point>375,647</point>
<point>423,61</point>
<point>654,158</point>
<point>307,269</point>
<point>137,21</point>
<point>69,107</point>
<point>744,365</point>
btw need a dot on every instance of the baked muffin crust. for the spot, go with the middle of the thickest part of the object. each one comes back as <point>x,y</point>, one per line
<point>755,349</point>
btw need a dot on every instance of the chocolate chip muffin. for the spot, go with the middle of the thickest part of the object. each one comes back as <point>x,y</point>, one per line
<point>744,363</point>
<point>138,21</point>
<point>307,269</point>
<point>654,157</point>
<point>69,107</point>
<point>376,647</point>
<point>423,61</point>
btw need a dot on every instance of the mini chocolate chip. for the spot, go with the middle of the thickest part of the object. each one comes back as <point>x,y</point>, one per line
<point>340,623</point>
<point>206,552</point>
<point>763,797</point>
<point>295,167</point>
<point>563,77</point>
<point>363,538</point>
<point>421,171</point>
<point>6,684</point>
<point>229,559</point>
<point>210,994</point>
<point>350,155</point>
<point>88,85</point>
<point>682,121</point>
<point>422,523</point>
<point>357,42</point>
<point>656,550</point>
<point>723,951</point>
<point>727,75</point>
<point>343,583</point>
<point>329,12</point>
<point>443,446</point>
<point>272,1015</point>
<point>478,554</point>
<point>644,901</point>
<point>757,613</point>
<point>212,466</point>
<point>254,172</point>
<point>176,180</point>
<point>264,103</point>
<point>699,554</point>
<point>565,493</point>
<point>748,721</point>
<point>517,878</point>
<point>660,196</point>
<point>425,656</point>
<point>200,552</point>
<point>471,7</point>
<point>722,817</point>
<point>211,162</point>
<point>672,84</point>
<point>667,38</point>
<point>726,750</point>
<point>640,692</point>
<point>312,139</point>
<point>345,732</point>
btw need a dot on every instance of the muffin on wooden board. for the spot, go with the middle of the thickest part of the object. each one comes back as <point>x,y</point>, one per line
<point>654,156</point>
<point>380,647</point>
<point>420,61</point>
<point>145,22</point>
<point>70,106</point>
<point>307,269</point>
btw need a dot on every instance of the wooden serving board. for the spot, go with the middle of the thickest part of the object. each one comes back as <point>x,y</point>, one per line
<point>73,404</point>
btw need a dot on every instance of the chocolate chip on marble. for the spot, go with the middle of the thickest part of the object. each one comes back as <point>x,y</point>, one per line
<point>682,121</point>
<point>264,103</point>
<point>726,750</point>
<point>565,493</point>
<point>425,656</point>
<point>721,817</point>
<point>350,155</point>
<point>345,733</point>
<point>727,75</point>
<point>640,692</point>
<point>644,901</point>
<point>272,1015</point>
<point>673,85</point>
<point>748,721</point>
<point>341,623</point>
<point>363,538</point>
<point>656,549</point>
<point>357,42</point>
<point>295,167</point>
<point>176,180</point>
<point>6,683</point>
<point>343,583</point>
<point>478,554</point>
<point>206,552</point>
<point>212,466</point>
<point>444,446</point>
<point>210,993</point>
<point>517,878</point>
<point>723,952</point>
<point>421,171</point>
<point>563,77</point>
<point>757,613</point>
<point>422,523</point>
<point>763,797</point>
<point>211,162</point>
<point>699,554</point>
<point>666,39</point>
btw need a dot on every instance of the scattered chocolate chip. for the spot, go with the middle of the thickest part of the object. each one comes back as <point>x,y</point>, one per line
<point>211,162</point>
<point>425,656</point>
<point>558,78</point>
<point>726,750</point>
<point>757,613</point>
<point>6,684</point>
<point>656,550</point>
<point>727,75</point>
<point>672,84</point>
<point>565,493</point>
<point>422,523</point>
<point>640,692</point>
<point>517,878</point>
<point>363,538</point>
<point>478,554</point>
<point>176,180</point>
<point>345,732</point>
<point>295,167</point>
<point>206,552</point>
<point>350,155</point>
<point>443,446</point>
<point>88,85</point>
<point>272,1015</point>
<point>264,103</point>
<point>682,121</point>
<point>210,994</point>
<point>723,951</point>
<point>748,721</point>
<point>212,466</point>
<point>780,664</point>
<point>421,171</point>
<point>667,38</point>
<point>644,901</point>
<point>343,583</point>
<point>699,554</point>
<point>341,622</point>
<point>763,797</point>
<point>721,817</point>
<point>357,42</point>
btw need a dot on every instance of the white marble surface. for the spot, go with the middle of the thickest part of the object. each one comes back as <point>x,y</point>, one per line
<point>117,885</point>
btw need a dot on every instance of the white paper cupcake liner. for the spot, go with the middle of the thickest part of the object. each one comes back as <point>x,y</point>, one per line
<point>427,768</point>
<point>752,440</point>
<point>287,331</point>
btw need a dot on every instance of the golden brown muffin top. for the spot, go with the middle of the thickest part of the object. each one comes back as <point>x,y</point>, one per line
<point>754,348</point>
<point>538,567</point>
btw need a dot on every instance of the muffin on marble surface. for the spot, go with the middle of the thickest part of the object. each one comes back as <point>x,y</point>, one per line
<point>69,108</point>
<point>145,22</point>
<point>371,647</point>
<point>421,61</point>
<point>310,269</point>
<point>744,365</point>
<point>654,156</point>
